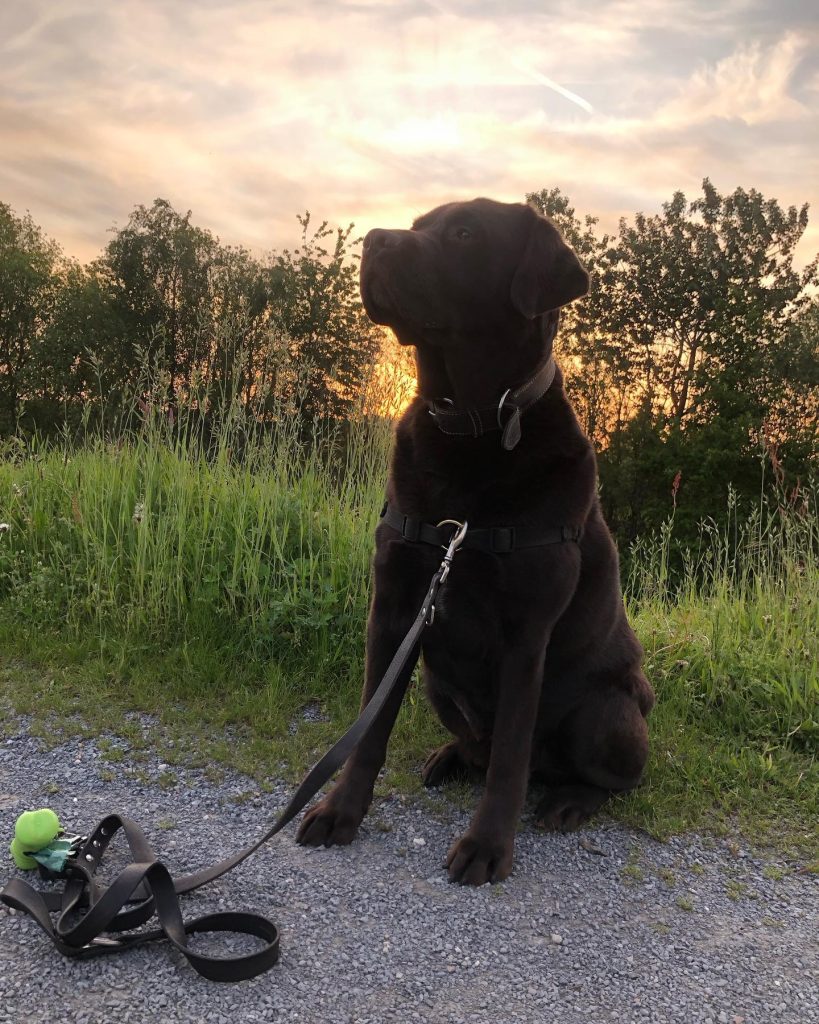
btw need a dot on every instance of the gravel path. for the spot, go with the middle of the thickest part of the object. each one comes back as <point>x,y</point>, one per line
<point>605,925</point>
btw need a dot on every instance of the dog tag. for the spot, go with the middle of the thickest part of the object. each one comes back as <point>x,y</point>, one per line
<point>511,432</point>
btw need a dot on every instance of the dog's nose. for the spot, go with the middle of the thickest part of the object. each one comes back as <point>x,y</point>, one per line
<point>379,238</point>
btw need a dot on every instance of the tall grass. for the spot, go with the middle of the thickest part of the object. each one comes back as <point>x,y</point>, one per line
<point>159,541</point>
<point>234,573</point>
<point>742,619</point>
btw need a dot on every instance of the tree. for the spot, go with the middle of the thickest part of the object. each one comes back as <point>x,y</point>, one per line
<point>315,303</point>
<point>30,269</point>
<point>77,366</point>
<point>597,377</point>
<point>714,322</point>
<point>241,359</point>
<point>223,324</point>
<point>705,298</point>
<point>158,269</point>
<point>793,415</point>
<point>695,351</point>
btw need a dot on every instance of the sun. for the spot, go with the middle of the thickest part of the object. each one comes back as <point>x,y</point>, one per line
<point>441,131</point>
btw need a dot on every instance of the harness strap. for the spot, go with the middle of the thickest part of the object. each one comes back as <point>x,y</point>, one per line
<point>146,887</point>
<point>498,540</point>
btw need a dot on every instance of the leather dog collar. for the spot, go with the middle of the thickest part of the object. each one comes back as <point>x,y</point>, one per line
<point>504,417</point>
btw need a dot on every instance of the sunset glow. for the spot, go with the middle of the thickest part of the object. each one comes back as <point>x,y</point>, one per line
<point>371,113</point>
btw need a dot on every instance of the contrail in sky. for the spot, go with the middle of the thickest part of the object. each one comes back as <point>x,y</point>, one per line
<point>556,86</point>
<point>536,76</point>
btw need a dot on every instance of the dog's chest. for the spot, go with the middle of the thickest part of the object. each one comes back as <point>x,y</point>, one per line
<point>467,619</point>
<point>462,646</point>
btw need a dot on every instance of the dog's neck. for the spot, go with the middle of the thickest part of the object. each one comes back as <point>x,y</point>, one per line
<point>472,375</point>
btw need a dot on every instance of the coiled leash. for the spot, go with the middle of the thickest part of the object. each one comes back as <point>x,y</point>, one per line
<point>146,888</point>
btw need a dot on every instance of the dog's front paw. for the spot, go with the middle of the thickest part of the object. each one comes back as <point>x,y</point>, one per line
<point>333,821</point>
<point>474,859</point>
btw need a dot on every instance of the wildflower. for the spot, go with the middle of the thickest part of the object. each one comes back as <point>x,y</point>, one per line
<point>675,486</point>
<point>4,527</point>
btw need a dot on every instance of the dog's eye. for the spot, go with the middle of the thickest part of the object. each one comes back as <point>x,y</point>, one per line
<point>461,234</point>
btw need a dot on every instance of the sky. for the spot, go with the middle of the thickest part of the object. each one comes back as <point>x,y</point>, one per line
<point>249,112</point>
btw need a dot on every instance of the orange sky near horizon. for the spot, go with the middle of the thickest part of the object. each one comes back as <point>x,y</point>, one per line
<point>371,112</point>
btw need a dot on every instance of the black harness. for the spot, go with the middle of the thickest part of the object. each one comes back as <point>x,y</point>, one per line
<point>497,540</point>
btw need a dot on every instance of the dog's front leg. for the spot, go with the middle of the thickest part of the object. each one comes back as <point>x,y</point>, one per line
<point>485,851</point>
<point>399,588</point>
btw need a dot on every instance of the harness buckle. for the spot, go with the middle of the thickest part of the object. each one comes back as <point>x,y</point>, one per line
<point>502,539</point>
<point>410,529</point>
<point>434,411</point>
<point>104,940</point>
<point>457,537</point>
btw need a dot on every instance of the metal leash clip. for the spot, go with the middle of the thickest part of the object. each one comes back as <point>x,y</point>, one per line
<point>455,542</point>
<point>443,571</point>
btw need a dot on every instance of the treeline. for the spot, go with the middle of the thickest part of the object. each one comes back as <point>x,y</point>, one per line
<point>166,302</point>
<point>693,362</point>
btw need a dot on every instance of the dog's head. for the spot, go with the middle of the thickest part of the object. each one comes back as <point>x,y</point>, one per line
<point>468,269</point>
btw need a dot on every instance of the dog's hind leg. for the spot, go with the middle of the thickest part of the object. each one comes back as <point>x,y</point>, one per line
<point>607,746</point>
<point>462,757</point>
<point>444,764</point>
<point>566,808</point>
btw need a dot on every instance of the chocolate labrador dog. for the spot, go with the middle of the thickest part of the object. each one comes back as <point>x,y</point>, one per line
<point>529,660</point>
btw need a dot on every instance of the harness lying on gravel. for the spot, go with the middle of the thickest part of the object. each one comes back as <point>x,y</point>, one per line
<point>145,887</point>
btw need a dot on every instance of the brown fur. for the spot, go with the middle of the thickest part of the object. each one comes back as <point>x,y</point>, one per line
<point>530,662</point>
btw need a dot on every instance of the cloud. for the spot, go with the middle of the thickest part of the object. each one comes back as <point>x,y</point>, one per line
<point>751,84</point>
<point>250,112</point>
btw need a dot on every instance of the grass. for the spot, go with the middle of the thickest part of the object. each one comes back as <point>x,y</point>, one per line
<point>733,652</point>
<point>224,595</point>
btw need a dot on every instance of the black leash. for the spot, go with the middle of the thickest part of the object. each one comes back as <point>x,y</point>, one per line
<point>145,887</point>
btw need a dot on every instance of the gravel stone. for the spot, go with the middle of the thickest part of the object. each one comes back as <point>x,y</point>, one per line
<point>372,935</point>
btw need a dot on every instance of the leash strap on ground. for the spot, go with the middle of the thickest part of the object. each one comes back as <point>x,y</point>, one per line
<point>92,918</point>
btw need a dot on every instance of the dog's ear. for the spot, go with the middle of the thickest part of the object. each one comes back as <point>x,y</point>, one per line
<point>549,274</point>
